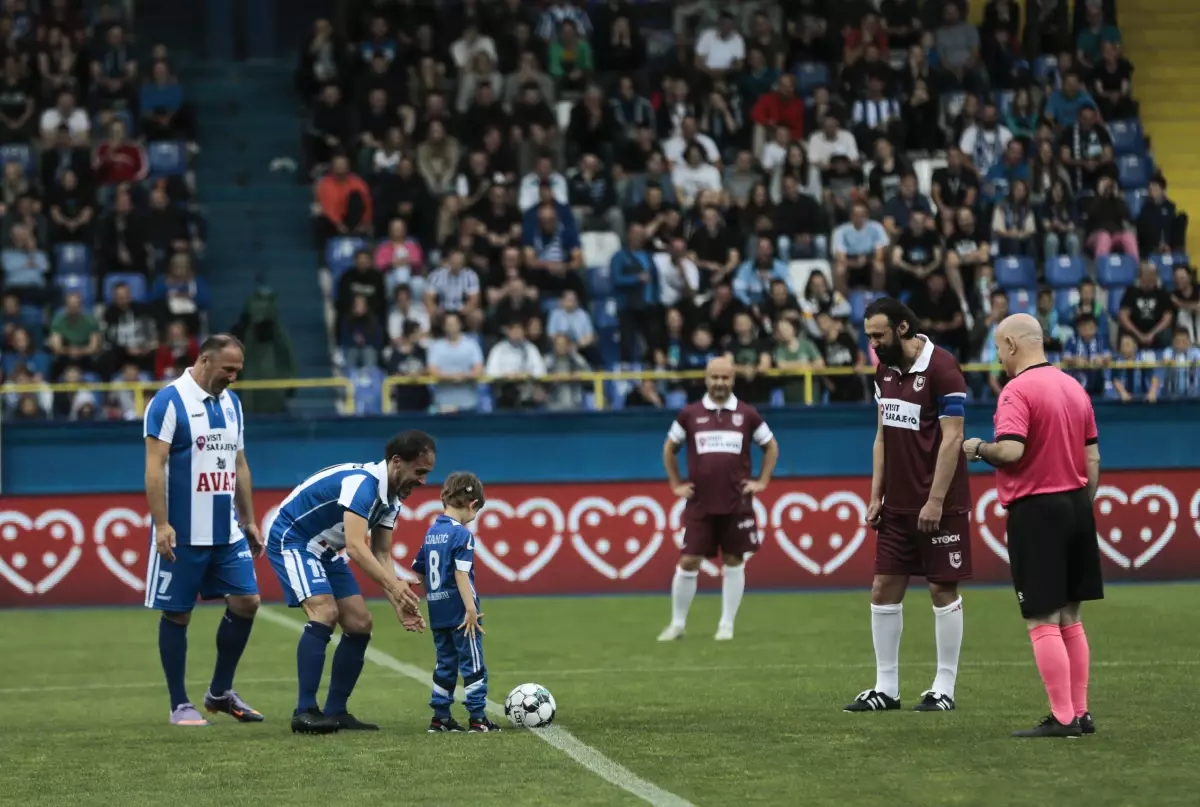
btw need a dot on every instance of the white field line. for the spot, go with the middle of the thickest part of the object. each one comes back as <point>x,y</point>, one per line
<point>33,690</point>
<point>556,736</point>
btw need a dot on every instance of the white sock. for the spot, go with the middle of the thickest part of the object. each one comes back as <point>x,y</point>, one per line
<point>948,628</point>
<point>733,585</point>
<point>683,591</point>
<point>887,623</point>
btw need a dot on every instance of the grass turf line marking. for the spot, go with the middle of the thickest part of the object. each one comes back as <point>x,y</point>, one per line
<point>603,671</point>
<point>555,736</point>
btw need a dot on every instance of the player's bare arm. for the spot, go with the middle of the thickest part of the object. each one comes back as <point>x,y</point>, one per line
<point>1003,452</point>
<point>671,465</point>
<point>1093,470</point>
<point>930,517</point>
<point>358,547</point>
<point>770,459</point>
<point>875,508</point>
<point>381,548</point>
<point>470,622</point>
<point>157,453</point>
<point>243,500</point>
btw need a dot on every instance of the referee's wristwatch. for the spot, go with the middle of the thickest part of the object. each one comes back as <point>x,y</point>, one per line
<point>978,447</point>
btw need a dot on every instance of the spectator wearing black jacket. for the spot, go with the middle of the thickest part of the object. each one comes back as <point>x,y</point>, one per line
<point>361,280</point>
<point>1160,226</point>
<point>65,156</point>
<point>592,128</point>
<point>801,219</point>
<point>332,128</point>
<point>593,198</point>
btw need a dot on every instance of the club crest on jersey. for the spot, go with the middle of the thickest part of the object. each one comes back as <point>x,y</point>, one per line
<point>956,559</point>
<point>229,412</point>
<point>737,419</point>
<point>919,383</point>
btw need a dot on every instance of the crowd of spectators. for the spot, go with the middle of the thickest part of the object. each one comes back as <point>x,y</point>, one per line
<point>517,189</point>
<point>97,233</point>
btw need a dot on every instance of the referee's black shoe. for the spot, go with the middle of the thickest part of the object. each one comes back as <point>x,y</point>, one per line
<point>1049,727</point>
<point>871,700</point>
<point>1086,724</point>
<point>933,702</point>
<point>313,721</point>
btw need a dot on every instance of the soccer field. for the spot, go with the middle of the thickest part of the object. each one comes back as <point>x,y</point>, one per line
<point>753,721</point>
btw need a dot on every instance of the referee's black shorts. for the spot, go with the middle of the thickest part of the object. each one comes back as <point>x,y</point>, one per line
<point>1053,551</point>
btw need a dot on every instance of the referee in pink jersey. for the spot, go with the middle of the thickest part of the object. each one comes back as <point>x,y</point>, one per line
<point>1047,467</point>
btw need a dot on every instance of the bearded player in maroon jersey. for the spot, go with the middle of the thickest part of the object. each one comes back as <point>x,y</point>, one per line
<point>920,500</point>
<point>719,515</point>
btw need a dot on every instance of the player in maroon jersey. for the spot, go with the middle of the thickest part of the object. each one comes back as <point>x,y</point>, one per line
<point>920,500</point>
<point>719,515</point>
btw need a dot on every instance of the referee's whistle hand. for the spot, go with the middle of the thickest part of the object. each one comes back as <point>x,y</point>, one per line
<point>164,541</point>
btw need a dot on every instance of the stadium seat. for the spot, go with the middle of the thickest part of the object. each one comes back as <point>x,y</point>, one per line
<point>1133,171</point>
<point>339,254</point>
<point>1004,99</point>
<point>1065,272</point>
<point>486,404</point>
<point>1166,268</point>
<point>604,314</point>
<point>809,76</point>
<point>136,283</point>
<point>18,152</point>
<point>598,248</point>
<point>1022,301</point>
<point>1116,270</point>
<point>1015,273</point>
<point>777,398</point>
<point>1043,66</point>
<point>78,284</point>
<point>800,271</point>
<point>167,159</point>
<point>1064,299</point>
<point>676,399</point>
<point>72,259</point>
<point>859,300</point>
<point>368,390</point>
<point>599,282</point>
<point>1127,137</point>
<point>1134,200</point>
<point>562,113</point>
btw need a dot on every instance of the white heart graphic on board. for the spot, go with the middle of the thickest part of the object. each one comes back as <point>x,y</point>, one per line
<point>1194,512</point>
<point>1155,497</point>
<point>847,507</point>
<point>120,523</point>
<point>991,500</point>
<point>63,524</point>
<point>645,511</point>
<point>541,512</point>
<point>675,521</point>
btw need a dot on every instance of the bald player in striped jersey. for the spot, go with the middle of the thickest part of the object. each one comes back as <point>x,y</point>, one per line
<point>198,490</point>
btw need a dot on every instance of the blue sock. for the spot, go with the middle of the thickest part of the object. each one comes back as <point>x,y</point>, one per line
<point>347,664</point>
<point>232,636</point>
<point>310,662</point>
<point>172,649</point>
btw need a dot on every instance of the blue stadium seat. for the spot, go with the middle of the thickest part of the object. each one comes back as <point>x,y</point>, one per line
<point>1004,99</point>
<point>368,390</point>
<point>77,284</point>
<point>676,399</point>
<point>32,319</point>
<point>811,75</point>
<point>1127,137</point>
<point>18,152</point>
<point>1133,171</point>
<point>135,282</point>
<point>777,398</point>
<point>1015,273</point>
<point>1065,272</point>
<point>1134,200</point>
<point>859,300</point>
<point>339,253</point>
<point>89,378</point>
<point>72,259</point>
<point>599,282</point>
<point>1022,301</point>
<point>1043,66</point>
<point>1064,299</point>
<point>486,404</point>
<point>1166,268</point>
<point>609,342</point>
<point>604,313</point>
<point>166,158</point>
<point>1116,270</point>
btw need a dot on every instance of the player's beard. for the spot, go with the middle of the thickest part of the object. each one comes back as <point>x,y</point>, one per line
<point>892,353</point>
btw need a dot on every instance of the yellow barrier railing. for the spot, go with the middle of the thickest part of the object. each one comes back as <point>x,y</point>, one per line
<point>597,379</point>
<point>141,389</point>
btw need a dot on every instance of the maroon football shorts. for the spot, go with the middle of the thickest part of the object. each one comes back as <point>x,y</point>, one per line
<point>733,534</point>
<point>940,557</point>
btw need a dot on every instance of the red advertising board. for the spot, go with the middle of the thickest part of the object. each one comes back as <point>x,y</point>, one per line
<point>601,538</point>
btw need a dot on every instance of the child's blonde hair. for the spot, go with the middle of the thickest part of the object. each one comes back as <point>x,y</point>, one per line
<point>462,488</point>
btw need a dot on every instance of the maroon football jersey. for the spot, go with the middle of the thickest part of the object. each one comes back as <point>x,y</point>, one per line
<point>718,441</point>
<point>912,405</point>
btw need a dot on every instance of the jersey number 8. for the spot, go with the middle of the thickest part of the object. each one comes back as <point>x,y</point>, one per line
<point>435,574</point>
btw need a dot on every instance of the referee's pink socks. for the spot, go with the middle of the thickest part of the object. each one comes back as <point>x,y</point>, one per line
<point>1055,666</point>
<point>1076,643</point>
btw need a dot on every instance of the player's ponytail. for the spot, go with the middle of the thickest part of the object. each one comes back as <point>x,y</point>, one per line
<point>461,489</point>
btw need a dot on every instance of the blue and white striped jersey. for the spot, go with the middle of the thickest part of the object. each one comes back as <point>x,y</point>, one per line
<point>448,547</point>
<point>205,435</point>
<point>310,518</point>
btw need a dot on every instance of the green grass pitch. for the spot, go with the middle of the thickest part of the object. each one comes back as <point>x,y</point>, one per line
<point>756,721</point>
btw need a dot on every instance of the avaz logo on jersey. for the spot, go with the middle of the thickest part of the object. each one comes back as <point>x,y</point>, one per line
<point>216,482</point>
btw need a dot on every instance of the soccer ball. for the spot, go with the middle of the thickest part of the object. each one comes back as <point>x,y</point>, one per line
<point>530,706</point>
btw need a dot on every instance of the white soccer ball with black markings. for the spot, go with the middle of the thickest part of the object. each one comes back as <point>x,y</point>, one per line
<point>530,706</point>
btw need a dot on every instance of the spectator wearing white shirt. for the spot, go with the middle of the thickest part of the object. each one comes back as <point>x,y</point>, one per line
<point>466,46</point>
<point>693,176</point>
<point>678,275</point>
<point>457,362</point>
<point>775,150</point>
<point>513,364</point>
<point>721,50</point>
<point>832,141</point>
<point>543,172</point>
<point>65,113</point>
<point>858,252</point>
<point>406,312</point>
<point>571,321</point>
<point>453,287</point>
<point>689,134</point>
<point>985,142</point>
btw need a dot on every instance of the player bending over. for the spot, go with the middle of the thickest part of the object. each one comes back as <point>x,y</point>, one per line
<point>920,500</point>
<point>719,514</point>
<point>447,555</point>
<point>349,507</point>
